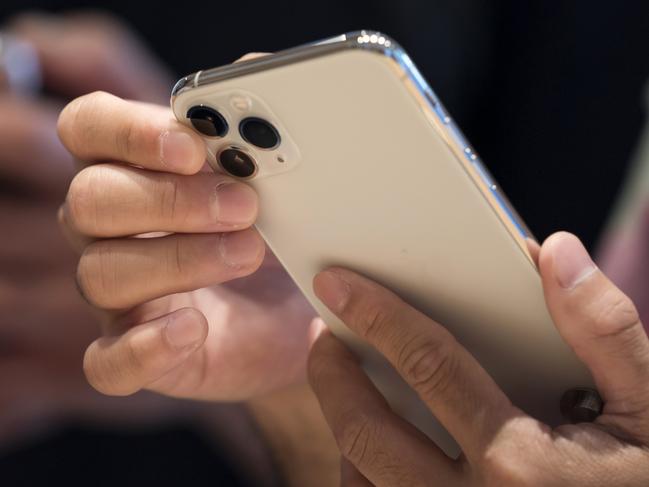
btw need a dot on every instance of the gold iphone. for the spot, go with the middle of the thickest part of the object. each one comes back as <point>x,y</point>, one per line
<point>358,164</point>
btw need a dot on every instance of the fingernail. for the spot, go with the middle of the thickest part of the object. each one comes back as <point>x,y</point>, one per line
<point>235,204</point>
<point>239,249</point>
<point>177,149</point>
<point>183,330</point>
<point>571,262</point>
<point>332,290</point>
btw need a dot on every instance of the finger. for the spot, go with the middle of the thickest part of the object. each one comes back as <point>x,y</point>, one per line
<point>76,240</point>
<point>250,56</point>
<point>119,274</point>
<point>109,200</point>
<point>102,127</point>
<point>350,476</point>
<point>125,364</point>
<point>382,446</point>
<point>598,321</point>
<point>31,154</point>
<point>89,51</point>
<point>534,250</point>
<point>461,395</point>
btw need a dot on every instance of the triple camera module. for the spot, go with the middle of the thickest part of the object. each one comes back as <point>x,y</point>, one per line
<point>254,130</point>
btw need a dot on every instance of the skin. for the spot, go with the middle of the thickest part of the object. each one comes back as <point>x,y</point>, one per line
<point>42,346</point>
<point>249,336</point>
<point>502,446</point>
<point>168,255</point>
<point>174,322</point>
<point>46,326</point>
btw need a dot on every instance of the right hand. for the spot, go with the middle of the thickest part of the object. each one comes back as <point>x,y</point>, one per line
<point>172,325</point>
<point>501,445</point>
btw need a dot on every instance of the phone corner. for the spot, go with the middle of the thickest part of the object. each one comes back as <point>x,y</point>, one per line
<point>181,85</point>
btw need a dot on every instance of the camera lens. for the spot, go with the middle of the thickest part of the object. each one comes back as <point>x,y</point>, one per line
<point>259,132</point>
<point>207,121</point>
<point>238,163</point>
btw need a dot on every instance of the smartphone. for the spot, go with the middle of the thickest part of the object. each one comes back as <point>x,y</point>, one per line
<point>358,164</point>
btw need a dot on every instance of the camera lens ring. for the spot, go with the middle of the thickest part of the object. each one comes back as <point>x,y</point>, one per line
<point>208,121</point>
<point>260,133</point>
<point>236,162</point>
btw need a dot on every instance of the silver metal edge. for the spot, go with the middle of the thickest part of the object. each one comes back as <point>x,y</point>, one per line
<point>370,40</point>
<point>474,163</point>
<point>288,56</point>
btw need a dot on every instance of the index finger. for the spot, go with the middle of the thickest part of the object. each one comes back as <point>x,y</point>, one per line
<point>101,127</point>
<point>458,391</point>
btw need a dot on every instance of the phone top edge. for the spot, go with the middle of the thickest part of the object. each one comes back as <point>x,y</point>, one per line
<point>380,43</point>
<point>362,39</point>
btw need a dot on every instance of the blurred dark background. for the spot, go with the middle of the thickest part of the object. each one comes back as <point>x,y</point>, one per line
<point>549,92</point>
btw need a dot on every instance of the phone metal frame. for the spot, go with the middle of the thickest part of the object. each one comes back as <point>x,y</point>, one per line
<point>380,43</point>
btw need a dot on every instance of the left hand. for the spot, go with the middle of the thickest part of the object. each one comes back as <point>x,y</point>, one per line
<point>45,326</point>
<point>502,446</point>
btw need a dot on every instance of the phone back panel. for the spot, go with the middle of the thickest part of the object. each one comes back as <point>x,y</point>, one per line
<point>379,190</point>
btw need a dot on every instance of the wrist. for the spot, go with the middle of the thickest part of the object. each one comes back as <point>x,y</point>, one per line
<point>298,439</point>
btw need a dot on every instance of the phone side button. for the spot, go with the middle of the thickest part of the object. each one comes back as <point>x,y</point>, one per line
<point>441,113</point>
<point>437,107</point>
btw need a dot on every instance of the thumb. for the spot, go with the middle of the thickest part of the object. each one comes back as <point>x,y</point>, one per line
<point>84,52</point>
<point>598,321</point>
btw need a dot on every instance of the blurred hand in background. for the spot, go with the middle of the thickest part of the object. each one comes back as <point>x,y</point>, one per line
<point>623,252</point>
<point>44,325</point>
<point>624,256</point>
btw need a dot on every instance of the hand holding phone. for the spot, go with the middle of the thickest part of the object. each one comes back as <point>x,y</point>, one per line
<point>501,445</point>
<point>175,323</point>
<point>357,164</point>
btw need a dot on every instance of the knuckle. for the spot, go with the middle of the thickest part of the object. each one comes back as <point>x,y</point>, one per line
<point>429,364</point>
<point>102,378</point>
<point>355,435</point>
<point>85,199</point>
<point>251,267</point>
<point>615,315</point>
<point>81,282</point>
<point>79,120</point>
<point>93,373</point>
<point>133,357</point>
<point>127,137</point>
<point>243,267</point>
<point>521,456</point>
<point>499,470</point>
<point>65,122</point>
<point>107,376</point>
<point>177,258</point>
<point>96,280</point>
<point>138,139</point>
<point>168,200</point>
<point>375,316</point>
<point>79,200</point>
